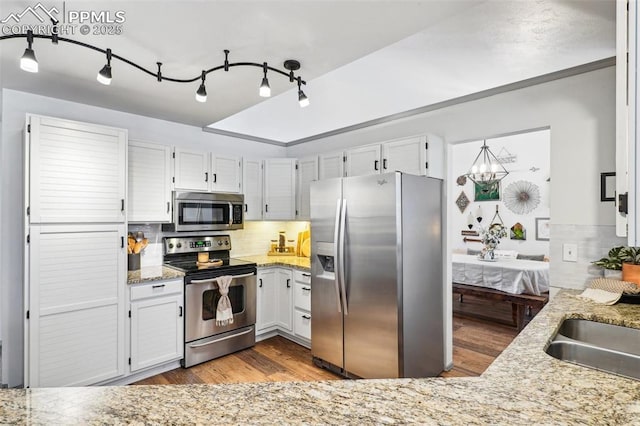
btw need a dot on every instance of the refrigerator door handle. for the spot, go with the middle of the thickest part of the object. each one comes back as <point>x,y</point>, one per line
<point>336,235</point>
<point>341,244</point>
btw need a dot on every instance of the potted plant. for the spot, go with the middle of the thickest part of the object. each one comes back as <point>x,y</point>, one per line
<point>631,264</point>
<point>622,262</point>
<point>612,264</point>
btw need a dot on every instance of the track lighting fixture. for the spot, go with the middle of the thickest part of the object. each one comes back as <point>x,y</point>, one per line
<point>104,76</point>
<point>265,90</point>
<point>201,94</point>
<point>302,98</point>
<point>28,61</point>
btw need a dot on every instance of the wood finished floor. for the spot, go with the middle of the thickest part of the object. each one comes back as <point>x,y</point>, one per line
<point>476,343</point>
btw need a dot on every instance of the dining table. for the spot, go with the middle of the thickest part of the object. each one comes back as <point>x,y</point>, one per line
<point>516,276</point>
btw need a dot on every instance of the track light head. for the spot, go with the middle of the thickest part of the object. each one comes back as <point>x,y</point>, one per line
<point>104,75</point>
<point>28,62</point>
<point>201,93</point>
<point>265,89</point>
<point>302,99</point>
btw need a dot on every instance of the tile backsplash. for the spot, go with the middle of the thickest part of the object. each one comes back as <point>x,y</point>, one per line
<point>593,243</point>
<point>255,238</point>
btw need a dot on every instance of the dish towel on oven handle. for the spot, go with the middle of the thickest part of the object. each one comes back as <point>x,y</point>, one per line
<point>224,313</point>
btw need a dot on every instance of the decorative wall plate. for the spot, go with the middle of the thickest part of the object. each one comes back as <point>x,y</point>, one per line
<point>462,180</point>
<point>521,197</point>
<point>518,232</point>
<point>462,201</point>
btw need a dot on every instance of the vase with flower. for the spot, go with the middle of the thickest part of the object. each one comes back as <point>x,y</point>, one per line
<point>490,239</point>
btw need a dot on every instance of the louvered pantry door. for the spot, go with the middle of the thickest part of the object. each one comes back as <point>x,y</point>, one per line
<point>76,305</point>
<point>76,172</point>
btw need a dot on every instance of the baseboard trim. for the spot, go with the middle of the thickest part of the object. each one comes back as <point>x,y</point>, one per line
<point>141,375</point>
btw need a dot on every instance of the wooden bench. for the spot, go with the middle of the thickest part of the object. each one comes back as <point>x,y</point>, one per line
<point>520,303</point>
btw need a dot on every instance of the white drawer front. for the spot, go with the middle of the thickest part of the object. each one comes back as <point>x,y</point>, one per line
<point>302,277</point>
<point>302,324</point>
<point>302,296</point>
<point>156,288</point>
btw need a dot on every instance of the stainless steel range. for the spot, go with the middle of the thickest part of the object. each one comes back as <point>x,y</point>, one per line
<point>204,340</point>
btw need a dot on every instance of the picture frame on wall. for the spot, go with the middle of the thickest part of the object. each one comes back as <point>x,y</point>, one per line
<point>487,191</point>
<point>543,228</point>
<point>608,186</point>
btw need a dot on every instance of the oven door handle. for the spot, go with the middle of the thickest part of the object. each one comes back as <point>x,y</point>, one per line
<point>210,280</point>
<point>199,345</point>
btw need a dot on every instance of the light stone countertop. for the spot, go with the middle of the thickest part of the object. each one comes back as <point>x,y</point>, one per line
<point>523,386</point>
<point>153,273</point>
<point>262,260</point>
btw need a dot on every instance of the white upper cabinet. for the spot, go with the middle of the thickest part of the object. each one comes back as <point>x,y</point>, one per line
<point>191,170</point>
<point>202,171</point>
<point>150,174</point>
<point>406,155</point>
<point>363,161</point>
<point>419,155</point>
<point>279,189</point>
<point>252,189</point>
<point>307,171</point>
<point>225,174</point>
<point>331,165</point>
<point>77,171</point>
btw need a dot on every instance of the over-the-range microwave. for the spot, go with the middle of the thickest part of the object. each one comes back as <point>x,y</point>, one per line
<point>206,211</point>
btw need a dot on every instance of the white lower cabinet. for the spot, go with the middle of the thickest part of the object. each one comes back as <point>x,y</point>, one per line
<point>302,306</point>
<point>284,304</point>
<point>274,300</point>
<point>156,323</point>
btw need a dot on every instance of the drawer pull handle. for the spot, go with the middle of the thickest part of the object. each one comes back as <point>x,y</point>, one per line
<point>157,286</point>
<point>306,288</point>
<point>180,312</point>
<point>306,317</point>
<point>306,275</point>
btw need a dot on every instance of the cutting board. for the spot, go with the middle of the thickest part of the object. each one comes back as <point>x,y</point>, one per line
<point>305,250</point>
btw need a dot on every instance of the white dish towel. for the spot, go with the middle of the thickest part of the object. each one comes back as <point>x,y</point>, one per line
<point>224,313</point>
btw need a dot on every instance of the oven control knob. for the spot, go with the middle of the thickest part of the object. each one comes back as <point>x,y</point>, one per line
<point>219,242</point>
<point>179,245</point>
<point>226,243</point>
<point>170,245</point>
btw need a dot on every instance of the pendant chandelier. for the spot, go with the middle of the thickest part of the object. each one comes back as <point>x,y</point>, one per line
<point>486,168</point>
<point>29,63</point>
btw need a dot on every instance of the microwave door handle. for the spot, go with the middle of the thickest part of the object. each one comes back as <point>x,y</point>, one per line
<point>230,214</point>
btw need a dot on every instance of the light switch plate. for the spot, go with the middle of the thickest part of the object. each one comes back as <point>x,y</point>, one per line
<point>570,252</point>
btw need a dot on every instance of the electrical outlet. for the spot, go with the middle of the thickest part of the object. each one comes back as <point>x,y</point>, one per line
<point>570,252</point>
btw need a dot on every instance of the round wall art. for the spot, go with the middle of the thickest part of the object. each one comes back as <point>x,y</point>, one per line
<point>521,197</point>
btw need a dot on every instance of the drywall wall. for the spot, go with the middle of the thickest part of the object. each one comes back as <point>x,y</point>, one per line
<point>579,110</point>
<point>526,157</point>
<point>15,106</point>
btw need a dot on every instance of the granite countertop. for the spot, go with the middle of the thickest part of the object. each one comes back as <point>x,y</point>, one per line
<point>523,386</point>
<point>153,273</point>
<point>302,263</point>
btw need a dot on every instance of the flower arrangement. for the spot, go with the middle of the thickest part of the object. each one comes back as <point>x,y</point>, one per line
<point>491,238</point>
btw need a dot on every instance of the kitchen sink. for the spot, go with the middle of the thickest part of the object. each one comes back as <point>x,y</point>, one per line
<point>606,347</point>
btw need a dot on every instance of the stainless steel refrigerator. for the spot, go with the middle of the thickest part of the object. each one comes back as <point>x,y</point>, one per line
<point>377,276</point>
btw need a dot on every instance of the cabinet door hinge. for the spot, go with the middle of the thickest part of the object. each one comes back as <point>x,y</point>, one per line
<point>27,314</point>
<point>28,211</point>
<point>28,128</point>
<point>28,238</point>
